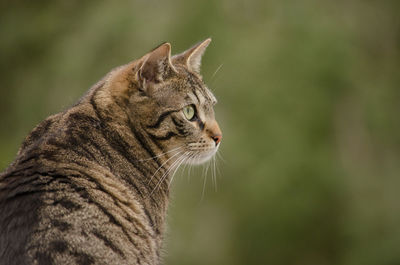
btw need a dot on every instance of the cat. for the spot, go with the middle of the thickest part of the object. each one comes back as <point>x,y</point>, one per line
<point>90,185</point>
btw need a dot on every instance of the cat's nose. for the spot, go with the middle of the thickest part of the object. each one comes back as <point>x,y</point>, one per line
<point>217,138</point>
<point>214,132</point>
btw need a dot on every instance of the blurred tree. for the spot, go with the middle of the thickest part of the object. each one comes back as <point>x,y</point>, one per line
<point>308,102</point>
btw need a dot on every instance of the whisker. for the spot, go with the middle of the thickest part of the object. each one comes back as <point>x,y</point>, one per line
<point>167,172</point>
<point>162,166</point>
<point>189,165</point>
<point>204,186</point>
<point>215,174</point>
<point>216,71</point>
<point>185,165</point>
<point>173,174</point>
<point>147,159</point>
<point>212,171</point>
<point>220,157</point>
<point>216,164</point>
<point>205,181</point>
<point>175,167</point>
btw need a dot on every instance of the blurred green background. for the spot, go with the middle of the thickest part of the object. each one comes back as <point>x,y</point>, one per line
<point>308,103</point>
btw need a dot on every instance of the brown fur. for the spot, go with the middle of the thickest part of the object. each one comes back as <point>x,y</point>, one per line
<point>90,185</point>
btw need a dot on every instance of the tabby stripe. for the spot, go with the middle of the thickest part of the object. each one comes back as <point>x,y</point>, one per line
<point>145,145</point>
<point>100,187</point>
<point>161,118</point>
<point>85,138</point>
<point>21,169</point>
<point>89,155</point>
<point>61,225</point>
<point>79,140</point>
<point>121,147</point>
<point>58,178</point>
<point>55,223</point>
<point>126,178</point>
<point>125,152</point>
<point>168,136</point>
<point>146,212</point>
<point>81,191</point>
<point>31,192</point>
<point>83,118</point>
<point>182,132</point>
<point>138,137</point>
<point>103,209</point>
<point>33,181</point>
<point>179,126</point>
<point>177,122</point>
<point>106,155</point>
<point>58,246</point>
<point>117,223</point>
<point>16,182</point>
<point>157,144</point>
<point>108,243</point>
<point>27,159</point>
<point>195,94</point>
<point>140,140</point>
<point>114,198</point>
<point>82,258</point>
<point>37,132</point>
<point>74,147</point>
<point>68,204</point>
<point>43,258</point>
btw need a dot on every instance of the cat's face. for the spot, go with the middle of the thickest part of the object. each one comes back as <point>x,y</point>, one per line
<point>176,106</point>
<point>190,126</point>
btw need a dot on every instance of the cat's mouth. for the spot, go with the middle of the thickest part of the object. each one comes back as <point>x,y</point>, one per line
<point>196,157</point>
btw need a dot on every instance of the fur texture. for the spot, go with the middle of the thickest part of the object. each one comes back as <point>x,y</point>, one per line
<point>90,185</point>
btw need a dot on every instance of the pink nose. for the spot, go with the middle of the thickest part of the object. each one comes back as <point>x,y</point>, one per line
<point>214,131</point>
<point>217,138</point>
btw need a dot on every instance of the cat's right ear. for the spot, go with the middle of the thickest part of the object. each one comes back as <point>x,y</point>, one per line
<point>156,66</point>
<point>192,58</point>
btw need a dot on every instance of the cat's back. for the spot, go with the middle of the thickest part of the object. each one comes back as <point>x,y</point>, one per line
<point>61,204</point>
<point>50,219</point>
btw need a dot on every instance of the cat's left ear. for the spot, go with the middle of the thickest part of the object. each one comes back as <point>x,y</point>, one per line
<point>157,66</point>
<point>192,58</point>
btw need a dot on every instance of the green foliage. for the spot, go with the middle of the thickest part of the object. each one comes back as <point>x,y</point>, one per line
<point>308,103</point>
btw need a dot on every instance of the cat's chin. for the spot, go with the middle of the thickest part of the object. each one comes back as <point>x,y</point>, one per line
<point>201,157</point>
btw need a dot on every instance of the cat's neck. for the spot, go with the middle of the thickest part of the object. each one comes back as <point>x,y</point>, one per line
<point>142,164</point>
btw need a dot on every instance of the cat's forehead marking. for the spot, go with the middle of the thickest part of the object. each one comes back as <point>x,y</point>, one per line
<point>208,96</point>
<point>199,92</point>
<point>201,95</point>
<point>211,96</point>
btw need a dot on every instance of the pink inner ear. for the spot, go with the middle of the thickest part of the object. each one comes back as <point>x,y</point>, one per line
<point>191,58</point>
<point>157,65</point>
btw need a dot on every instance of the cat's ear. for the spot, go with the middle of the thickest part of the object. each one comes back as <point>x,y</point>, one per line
<point>157,66</point>
<point>192,58</point>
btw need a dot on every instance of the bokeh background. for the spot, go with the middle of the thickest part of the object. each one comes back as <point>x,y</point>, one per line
<point>309,103</point>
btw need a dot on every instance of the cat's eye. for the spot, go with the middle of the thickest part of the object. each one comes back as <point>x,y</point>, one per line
<point>189,112</point>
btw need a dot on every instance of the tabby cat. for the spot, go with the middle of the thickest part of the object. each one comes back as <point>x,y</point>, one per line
<point>90,185</point>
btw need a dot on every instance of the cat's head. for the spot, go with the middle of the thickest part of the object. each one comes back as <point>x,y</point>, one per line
<point>170,100</point>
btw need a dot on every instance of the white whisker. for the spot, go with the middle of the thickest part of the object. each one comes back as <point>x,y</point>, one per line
<point>220,157</point>
<point>172,167</point>
<point>205,180</point>
<point>216,71</point>
<point>214,173</point>
<point>204,186</point>
<point>173,174</point>
<point>151,158</point>
<point>216,164</point>
<point>162,166</point>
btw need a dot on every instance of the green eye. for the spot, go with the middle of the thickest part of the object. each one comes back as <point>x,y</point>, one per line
<point>189,112</point>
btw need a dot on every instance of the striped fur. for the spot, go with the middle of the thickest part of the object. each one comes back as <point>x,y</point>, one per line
<point>90,185</point>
